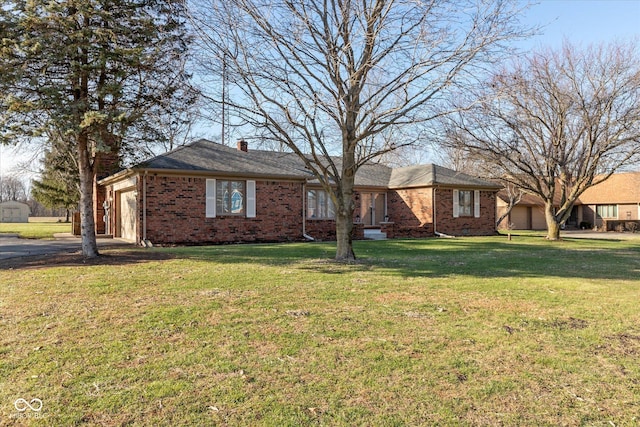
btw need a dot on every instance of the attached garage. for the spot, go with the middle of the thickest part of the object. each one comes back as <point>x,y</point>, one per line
<point>127,215</point>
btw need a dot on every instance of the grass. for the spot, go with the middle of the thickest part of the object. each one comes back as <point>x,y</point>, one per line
<point>35,229</point>
<point>478,331</point>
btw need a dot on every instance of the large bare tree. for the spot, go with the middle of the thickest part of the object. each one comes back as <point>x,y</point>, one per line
<point>336,78</point>
<point>556,122</point>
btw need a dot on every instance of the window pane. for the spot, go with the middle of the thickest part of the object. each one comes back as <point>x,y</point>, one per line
<point>223,197</point>
<point>311,204</point>
<point>322,207</point>
<point>319,204</point>
<point>331,210</point>
<point>237,197</point>
<point>465,203</point>
<point>607,211</point>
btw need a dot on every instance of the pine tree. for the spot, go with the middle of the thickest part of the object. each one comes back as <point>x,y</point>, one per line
<point>87,71</point>
<point>58,186</point>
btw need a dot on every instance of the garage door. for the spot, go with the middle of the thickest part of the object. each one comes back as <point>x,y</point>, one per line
<point>128,215</point>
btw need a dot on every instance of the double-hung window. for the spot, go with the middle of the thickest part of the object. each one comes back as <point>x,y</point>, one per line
<point>607,211</point>
<point>320,205</point>
<point>230,198</point>
<point>466,203</point>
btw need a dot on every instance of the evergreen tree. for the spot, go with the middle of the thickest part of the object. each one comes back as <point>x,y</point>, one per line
<point>87,71</point>
<point>58,186</point>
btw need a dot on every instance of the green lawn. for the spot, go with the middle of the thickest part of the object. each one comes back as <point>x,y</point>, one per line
<point>35,229</point>
<point>477,331</point>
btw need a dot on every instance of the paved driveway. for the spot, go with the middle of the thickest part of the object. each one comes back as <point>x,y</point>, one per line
<point>588,234</point>
<point>11,246</point>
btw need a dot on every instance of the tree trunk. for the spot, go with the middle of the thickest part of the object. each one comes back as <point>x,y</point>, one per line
<point>87,222</point>
<point>553,226</point>
<point>344,226</point>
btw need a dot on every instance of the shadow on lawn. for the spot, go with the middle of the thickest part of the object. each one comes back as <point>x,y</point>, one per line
<point>474,257</point>
<point>477,257</point>
<point>75,259</point>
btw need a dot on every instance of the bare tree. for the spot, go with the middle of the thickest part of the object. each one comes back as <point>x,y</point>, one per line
<point>513,196</point>
<point>557,122</point>
<point>328,78</point>
<point>12,188</point>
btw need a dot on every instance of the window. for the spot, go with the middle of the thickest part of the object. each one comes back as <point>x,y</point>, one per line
<point>224,198</point>
<point>607,211</point>
<point>319,205</point>
<point>466,203</point>
<point>230,197</point>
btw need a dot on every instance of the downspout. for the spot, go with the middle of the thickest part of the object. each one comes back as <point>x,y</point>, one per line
<point>304,210</point>
<point>145,242</point>
<point>435,230</point>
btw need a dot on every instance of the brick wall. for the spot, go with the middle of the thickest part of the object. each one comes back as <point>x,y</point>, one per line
<point>410,213</point>
<point>325,230</point>
<point>176,213</point>
<point>465,226</point>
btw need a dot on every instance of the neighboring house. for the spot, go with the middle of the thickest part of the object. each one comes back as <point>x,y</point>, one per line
<point>527,214</point>
<point>210,193</point>
<point>616,199</point>
<point>14,212</point>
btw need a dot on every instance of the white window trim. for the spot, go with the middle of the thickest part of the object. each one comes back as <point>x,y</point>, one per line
<point>476,204</point>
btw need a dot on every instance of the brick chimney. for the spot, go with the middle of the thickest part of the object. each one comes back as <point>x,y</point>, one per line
<point>243,145</point>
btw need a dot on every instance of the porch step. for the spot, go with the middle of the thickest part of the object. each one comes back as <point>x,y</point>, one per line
<point>374,234</point>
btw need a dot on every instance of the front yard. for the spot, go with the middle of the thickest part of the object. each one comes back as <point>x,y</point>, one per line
<point>477,331</point>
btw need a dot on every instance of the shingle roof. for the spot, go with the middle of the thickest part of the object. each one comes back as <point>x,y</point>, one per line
<point>207,156</point>
<point>204,155</point>
<point>430,175</point>
<point>617,189</point>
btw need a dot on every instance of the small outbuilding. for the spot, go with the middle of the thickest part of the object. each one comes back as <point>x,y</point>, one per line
<point>14,212</point>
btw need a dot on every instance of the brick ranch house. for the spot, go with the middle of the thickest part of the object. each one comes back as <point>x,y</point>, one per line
<point>603,206</point>
<point>210,193</point>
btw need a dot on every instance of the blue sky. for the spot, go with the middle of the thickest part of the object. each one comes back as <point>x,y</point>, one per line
<point>580,21</point>
<point>583,21</point>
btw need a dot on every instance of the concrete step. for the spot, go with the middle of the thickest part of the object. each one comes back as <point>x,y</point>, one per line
<point>374,234</point>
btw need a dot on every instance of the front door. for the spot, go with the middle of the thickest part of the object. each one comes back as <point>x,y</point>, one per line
<point>373,208</point>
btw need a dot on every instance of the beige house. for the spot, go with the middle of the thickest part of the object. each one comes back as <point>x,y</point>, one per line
<point>614,200</point>
<point>14,212</point>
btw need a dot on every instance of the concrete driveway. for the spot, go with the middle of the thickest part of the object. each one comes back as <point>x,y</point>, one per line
<point>608,235</point>
<point>11,246</point>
